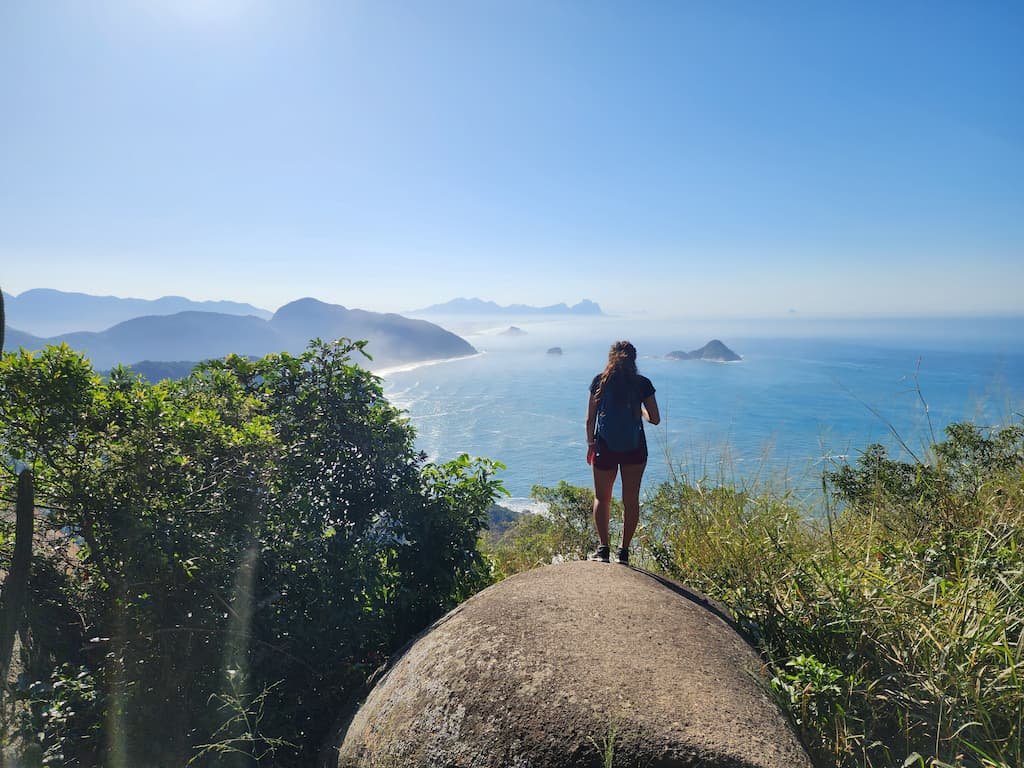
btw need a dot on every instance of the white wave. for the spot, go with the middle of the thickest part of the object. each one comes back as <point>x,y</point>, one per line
<point>384,372</point>
<point>444,414</point>
<point>523,504</point>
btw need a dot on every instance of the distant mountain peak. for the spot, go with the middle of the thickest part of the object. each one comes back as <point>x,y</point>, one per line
<point>307,301</point>
<point>49,312</point>
<point>306,306</point>
<point>199,335</point>
<point>477,306</point>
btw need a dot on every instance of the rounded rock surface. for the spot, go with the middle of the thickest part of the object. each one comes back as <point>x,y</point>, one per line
<point>548,667</point>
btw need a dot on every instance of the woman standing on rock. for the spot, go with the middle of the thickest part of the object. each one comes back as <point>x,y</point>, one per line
<point>620,399</point>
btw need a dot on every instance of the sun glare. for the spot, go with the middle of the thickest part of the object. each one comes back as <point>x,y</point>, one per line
<point>201,12</point>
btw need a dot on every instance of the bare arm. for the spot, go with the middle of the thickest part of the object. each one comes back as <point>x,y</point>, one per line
<point>650,410</point>
<point>591,418</point>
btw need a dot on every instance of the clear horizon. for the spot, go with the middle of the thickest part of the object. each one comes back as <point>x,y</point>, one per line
<point>631,314</point>
<point>706,160</point>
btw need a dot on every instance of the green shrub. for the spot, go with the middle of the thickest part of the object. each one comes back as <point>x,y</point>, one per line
<point>261,534</point>
<point>564,530</point>
<point>893,627</point>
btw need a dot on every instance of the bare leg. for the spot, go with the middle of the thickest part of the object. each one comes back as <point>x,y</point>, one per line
<point>631,476</point>
<point>604,484</point>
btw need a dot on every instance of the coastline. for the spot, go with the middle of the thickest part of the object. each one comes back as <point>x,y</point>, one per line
<point>406,367</point>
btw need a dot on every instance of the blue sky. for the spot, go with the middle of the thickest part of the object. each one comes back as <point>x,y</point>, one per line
<point>716,158</point>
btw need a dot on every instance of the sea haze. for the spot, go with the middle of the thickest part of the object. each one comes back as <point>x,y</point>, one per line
<point>806,394</point>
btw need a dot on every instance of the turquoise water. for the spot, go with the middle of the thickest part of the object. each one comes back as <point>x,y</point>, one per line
<point>806,395</point>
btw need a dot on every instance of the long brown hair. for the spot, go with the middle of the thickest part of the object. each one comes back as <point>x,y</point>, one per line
<point>621,366</point>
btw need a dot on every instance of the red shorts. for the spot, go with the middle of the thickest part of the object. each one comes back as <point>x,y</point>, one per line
<point>605,458</point>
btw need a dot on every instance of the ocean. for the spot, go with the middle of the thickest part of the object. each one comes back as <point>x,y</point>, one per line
<point>808,394</point>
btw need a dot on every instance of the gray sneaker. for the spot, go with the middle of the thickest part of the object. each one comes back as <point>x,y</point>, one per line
<point>622,556</point>
<point>601,554</point>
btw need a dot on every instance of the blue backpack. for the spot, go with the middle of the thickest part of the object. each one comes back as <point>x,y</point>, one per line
<point>619,422</point>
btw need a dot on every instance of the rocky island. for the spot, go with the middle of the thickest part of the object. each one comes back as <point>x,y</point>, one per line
<point>513,330</point>
<point>714,351</point>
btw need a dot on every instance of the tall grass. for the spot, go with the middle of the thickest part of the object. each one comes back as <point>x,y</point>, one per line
<point>892,624</point>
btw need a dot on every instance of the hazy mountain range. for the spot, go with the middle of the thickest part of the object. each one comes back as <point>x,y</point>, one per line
<point>194,336</point>
<point>47,312</point>
<point>480,307</point>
